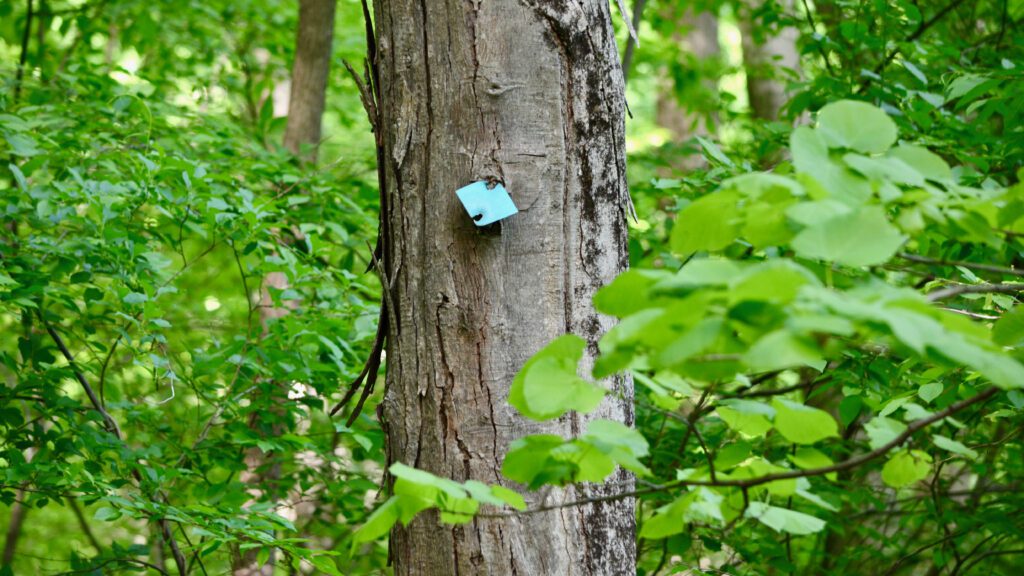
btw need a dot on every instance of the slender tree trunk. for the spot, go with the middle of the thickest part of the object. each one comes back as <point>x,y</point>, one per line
<point>528,93</point>
<point>308,93</point>
<point>767,58</point>
<point>14,525</point>
<point>700,41</point>
<point>17,519</point>
<point>309,77</point>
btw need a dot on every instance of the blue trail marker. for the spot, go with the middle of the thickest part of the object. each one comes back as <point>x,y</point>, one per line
<point>486,205</point>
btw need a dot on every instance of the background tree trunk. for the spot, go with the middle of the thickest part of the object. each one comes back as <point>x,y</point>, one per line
<point>699,36</point>
<point>763,57</point>
<point>308,92</point>
<point>528,93</point>
<point>309,76</point>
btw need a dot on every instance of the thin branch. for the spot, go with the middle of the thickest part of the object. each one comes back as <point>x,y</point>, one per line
<point>627,55</point>
<point>912,429</point>
<point>111,424</point>
<point>23,56</point>
<point>84,524</point>
<point>921,29</point>
<point>989,555</point>
<point>958,289</point>
<point>814,29</point>
<point>125,559</point>
<point>372,367</point>
<point>113,428</point>
<point>969,314</point>
<point>971,265</point>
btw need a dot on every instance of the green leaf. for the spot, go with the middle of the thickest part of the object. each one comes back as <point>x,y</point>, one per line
<point>857,126</point>
<point>135,298</point>
<point>929,164</point>
<point>693,341</point>
<point>510,497</point>
<point>19,177</point>
<point>548,385</point>
<point>777,281</point>
<point>749,418</point>
<point>379,523</point>
<point>885,169</point>
<point>954,446</point>
<point>930,391</point>
<point>782,349</point>
<point>419,482</point>
<point>882,430</point>
<point>807,458</point>
<point>783,520</point>
<point>626,294</point>
<point>906,467</point>
<point>861,238</point>
<point>667,520</point>
<point>961,85</point>
<point>106,513</point>
<point>713,151</point>
<point>621,443</point>
<point>802,424</point>
<point>1009,329</point>
<point>707,224</point>
<point>590,463</point>
<point>528,457</point>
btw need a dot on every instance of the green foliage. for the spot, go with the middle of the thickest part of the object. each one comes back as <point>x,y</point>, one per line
<point>823,318</point>
<point>813,344</point>
<point>548,386</point>
<point>144,204</point>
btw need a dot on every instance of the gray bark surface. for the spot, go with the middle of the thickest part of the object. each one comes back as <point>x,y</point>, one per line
<point>528,93</point>
<point>309,75</point>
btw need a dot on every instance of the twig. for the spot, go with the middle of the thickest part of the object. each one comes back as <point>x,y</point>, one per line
<point>113,428</point>
<point>627,55</point>
<point>969,314</point>
<point>372,366</point>
<point>971,265</point>
<point>849,463</point>
<point>921,29</point>
<point>111,424</point>
<point>84,524</point>
<point>958,289</point>
<point>814,27</point>
<point>23,56</point>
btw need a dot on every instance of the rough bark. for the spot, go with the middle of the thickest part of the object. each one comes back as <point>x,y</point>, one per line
<point>528,93</point>
<point>309,76</point>
<point>766,58</point>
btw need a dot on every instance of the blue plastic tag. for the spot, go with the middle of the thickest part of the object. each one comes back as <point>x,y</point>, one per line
<point>486,205</point>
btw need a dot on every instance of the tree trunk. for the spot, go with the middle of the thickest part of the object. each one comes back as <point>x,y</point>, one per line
<point>309,77</point>
<point>702,48</point>
<point>764,58</point>
<point>14,525</point>
<point>528,93</point>
<point>308,92</point>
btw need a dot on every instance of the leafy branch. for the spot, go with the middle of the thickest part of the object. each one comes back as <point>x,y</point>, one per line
<point>748,483</point>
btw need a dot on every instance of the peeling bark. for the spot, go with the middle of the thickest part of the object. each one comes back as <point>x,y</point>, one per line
<point>528,93</point>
